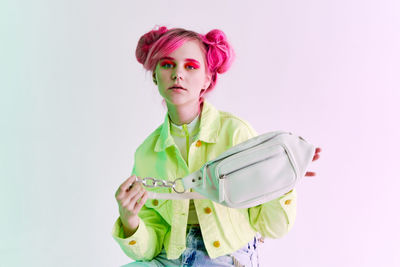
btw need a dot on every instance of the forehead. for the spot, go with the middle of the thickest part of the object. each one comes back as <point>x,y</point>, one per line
<point>189,49</point>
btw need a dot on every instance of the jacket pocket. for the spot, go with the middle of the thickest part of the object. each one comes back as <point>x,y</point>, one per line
<point>161,206</point>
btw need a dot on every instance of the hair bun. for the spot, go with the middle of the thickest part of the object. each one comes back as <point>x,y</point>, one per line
<point>216,37</point>
<point>146,41</point>
<point>220,52</point>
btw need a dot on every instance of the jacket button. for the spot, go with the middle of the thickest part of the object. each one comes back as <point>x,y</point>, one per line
<point>133,242</point>
<point>155,202</point>
<point>198,143</point>
<point>216,244</point>
<point>207,210</point>
<point>287,202</point>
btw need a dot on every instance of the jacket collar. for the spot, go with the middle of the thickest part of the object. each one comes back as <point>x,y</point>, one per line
<point>209,128</point>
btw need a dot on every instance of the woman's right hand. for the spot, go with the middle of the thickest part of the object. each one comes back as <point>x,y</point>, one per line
<point>127,197</point>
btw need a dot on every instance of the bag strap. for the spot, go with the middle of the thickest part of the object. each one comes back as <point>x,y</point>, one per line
<point>190,181</point>
<point>189,195</point>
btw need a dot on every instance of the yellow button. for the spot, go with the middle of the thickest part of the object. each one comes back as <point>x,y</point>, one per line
<point>287,202</point>
<point>198,143</point>
<point>216,244</point>
<point>207,210</point>
<point>133,242</point>
<point>155,202</point>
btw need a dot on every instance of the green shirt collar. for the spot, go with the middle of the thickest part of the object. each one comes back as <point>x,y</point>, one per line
<point>209,128</point>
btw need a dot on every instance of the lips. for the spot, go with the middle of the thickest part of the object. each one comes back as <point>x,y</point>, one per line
<point>176,86</point>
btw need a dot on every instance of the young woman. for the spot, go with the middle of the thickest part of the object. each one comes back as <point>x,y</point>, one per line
<point>198,232</point>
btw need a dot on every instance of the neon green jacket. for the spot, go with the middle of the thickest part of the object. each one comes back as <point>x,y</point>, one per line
<point>224,230</point>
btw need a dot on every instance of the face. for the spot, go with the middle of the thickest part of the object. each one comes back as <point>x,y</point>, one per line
<point>185,68</point>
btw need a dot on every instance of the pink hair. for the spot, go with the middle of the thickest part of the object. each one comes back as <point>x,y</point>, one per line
<point>160,42</point>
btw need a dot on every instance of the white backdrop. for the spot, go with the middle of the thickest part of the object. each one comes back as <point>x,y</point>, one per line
<point>75,105</point>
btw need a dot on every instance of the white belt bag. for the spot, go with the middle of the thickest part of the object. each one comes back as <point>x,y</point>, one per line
<point>251,173</point>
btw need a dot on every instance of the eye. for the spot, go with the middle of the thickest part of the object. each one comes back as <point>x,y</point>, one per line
<point>167,64</point>
<point>191,66</point>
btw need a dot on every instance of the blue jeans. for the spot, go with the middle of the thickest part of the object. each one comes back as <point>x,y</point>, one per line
<point>195,254</point>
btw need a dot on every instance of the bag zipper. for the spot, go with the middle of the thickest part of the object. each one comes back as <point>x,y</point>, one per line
<point>222,176</point>
<point>285,149</point>
<point>257,144</point>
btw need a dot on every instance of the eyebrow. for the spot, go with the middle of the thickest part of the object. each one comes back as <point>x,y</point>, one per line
<point>186,59</point>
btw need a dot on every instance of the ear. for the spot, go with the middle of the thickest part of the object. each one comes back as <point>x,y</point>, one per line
<point>207,81</point>
<point>202,91</point>
<point>154,78</point>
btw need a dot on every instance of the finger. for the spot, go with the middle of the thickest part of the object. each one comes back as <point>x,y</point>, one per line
<point>131,194</point>
<point>316,156</point>
<point>130,186</point>
<point>136,187</point>
<point>317,150</point>
<point>310,174</point>
<point>120,194</point>
<point>136,182</point>
<point>141,203</point>
<point>134,200</point>
<point>124,187</point>
<point>128,182</point>
<point>289,192</point>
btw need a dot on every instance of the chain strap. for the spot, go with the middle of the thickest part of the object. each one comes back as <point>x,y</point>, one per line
<point>151,183</point>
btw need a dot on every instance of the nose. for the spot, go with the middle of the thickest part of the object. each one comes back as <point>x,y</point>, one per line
<point>177,74</point>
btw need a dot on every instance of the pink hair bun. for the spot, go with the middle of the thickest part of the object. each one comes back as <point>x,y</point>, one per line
<point>220,54</point>
<point>146,42</point>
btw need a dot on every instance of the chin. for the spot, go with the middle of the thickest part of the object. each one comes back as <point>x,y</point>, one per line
<point>177,101</point>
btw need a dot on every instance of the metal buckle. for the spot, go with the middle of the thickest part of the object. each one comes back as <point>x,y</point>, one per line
<point>174,185</point>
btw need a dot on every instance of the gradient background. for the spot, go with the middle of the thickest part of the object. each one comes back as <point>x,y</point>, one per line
<point>75,105</point>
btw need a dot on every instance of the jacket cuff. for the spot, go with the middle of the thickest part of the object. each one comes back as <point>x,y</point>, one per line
<point>134,246</point>
<point>288,204</point>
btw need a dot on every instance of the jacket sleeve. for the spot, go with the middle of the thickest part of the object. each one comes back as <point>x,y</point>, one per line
<point>275,218</point>
<point>146,243</point>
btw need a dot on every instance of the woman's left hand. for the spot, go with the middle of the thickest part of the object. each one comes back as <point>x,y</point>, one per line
<point>316,156</point>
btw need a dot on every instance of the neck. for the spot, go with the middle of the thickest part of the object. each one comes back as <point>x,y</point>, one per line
<point>183,114</point>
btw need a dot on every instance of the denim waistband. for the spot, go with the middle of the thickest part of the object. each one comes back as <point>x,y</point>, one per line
<point>194,239</point>
<point>245,256</point>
